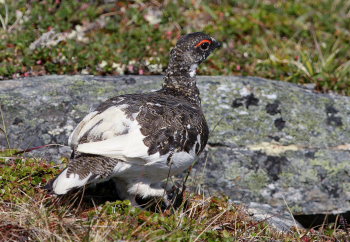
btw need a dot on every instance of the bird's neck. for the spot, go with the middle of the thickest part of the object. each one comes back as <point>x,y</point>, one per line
<point>180,80</point>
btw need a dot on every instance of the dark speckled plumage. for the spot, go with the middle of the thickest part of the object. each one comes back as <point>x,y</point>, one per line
<point>170,124</point>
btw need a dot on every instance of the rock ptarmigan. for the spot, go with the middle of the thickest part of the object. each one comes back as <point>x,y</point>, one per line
<point>138,140</point>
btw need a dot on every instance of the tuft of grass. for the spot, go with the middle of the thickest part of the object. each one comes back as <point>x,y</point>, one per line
<point>27,212</point>
<point>295,41</point>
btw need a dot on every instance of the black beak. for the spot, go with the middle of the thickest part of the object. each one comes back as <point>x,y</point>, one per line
<point>218,44</point>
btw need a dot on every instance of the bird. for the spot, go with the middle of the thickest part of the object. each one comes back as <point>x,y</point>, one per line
<point>139,140</point>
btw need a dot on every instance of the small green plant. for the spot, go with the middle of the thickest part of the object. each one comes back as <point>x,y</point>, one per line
<point>21,178</point>
<point>30,213</point>
<point>295,41</point>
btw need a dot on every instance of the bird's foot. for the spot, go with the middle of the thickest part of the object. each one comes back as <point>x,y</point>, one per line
<point>158,198</point>
<point>175,196</point>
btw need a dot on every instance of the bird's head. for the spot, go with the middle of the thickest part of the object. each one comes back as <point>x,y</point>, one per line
<point>192,49</point>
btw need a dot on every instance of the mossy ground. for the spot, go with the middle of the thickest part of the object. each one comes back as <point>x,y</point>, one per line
<point>296,41</point>
<point>27,212</point>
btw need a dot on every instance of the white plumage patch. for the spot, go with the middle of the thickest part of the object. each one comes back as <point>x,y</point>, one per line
<point>193,70</point>
<point>181,161</point>
<point>120,137</point>
<point>107,124</point>
<point>127,147</point>
<point>121,167</point>
<point>111,122</point>
<point>198,141</point>
<point>63,184</point>
<point>73,138</point>
<point>145,190</point>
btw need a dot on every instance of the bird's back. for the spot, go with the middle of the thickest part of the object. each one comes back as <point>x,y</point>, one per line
<point>167,123</point>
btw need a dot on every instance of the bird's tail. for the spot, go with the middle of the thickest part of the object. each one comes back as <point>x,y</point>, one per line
<point>65,182</point>
<point>81,171</point>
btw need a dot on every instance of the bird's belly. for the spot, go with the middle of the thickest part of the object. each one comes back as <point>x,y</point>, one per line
<point>157,170</point>
<point>160,170</point>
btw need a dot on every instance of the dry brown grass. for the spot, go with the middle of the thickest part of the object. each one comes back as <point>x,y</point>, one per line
<point>27,212</point>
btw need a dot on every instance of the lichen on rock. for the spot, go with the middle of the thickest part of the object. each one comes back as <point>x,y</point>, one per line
<point>271,142</point>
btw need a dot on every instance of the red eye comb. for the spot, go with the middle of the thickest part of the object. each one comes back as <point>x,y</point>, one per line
<point>203,41</point>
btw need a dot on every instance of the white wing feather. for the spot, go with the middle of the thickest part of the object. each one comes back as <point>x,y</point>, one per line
<point>124,147</point>
<point>120,136</point>
<point>74,137</point>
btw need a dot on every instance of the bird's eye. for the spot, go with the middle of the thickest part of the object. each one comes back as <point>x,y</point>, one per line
<point>205,46</point>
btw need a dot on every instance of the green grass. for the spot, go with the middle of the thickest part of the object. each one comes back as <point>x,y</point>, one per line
<point>296,41</point>
<point>27,212</point>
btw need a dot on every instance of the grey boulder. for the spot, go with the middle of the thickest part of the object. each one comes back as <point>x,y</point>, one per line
<point>271,142</point>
